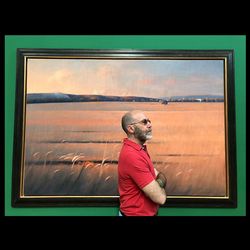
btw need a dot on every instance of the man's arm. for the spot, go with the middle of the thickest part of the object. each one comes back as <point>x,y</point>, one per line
<point>160,178</point>
<point>156,171</point>
<point>155,192</point>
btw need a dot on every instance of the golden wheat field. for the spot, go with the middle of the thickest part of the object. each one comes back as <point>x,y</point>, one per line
<point>73,148</point>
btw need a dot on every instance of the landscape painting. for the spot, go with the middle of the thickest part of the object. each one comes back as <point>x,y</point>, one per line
<point>71,133</point>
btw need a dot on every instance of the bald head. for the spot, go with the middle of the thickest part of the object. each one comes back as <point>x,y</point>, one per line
<point>129,118</point>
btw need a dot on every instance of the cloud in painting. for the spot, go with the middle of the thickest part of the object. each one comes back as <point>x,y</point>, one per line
<point>149,78</point>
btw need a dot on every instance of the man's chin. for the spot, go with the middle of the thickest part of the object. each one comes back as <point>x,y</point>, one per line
<point>149,137</point>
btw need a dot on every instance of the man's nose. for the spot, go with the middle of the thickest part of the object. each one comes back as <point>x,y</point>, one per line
<point>149,125</point>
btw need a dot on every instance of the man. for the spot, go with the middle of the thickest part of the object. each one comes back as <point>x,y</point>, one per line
<point>141,186</point>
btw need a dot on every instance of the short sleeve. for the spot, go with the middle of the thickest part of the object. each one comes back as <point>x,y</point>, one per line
<point>139,171</point>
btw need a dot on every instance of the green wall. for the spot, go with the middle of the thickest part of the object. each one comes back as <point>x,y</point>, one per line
<point>236,42</point>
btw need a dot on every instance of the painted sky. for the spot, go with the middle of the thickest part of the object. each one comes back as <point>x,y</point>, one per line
<point>149,78</point>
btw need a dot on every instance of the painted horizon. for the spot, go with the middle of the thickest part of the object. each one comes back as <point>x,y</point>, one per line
<point>62,97</point>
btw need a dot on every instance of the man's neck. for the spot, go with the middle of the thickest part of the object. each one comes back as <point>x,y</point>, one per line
<point>135,140</point>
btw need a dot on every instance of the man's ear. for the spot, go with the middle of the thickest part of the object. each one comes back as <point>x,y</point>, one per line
<point>131,129</point>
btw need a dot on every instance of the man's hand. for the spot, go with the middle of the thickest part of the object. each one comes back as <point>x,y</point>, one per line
<point>161,179</point>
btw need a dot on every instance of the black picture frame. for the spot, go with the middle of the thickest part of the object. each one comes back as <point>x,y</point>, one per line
<point>20,199</point>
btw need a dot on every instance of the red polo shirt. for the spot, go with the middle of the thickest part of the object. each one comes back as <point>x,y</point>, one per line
<point>135,171</point>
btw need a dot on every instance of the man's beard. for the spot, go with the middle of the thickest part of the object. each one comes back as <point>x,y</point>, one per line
<point>142,136</point>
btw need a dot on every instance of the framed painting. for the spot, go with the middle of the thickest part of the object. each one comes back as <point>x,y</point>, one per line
<point>68,134</point>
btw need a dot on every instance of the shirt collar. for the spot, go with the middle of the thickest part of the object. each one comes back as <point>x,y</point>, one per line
<point>135,145</point>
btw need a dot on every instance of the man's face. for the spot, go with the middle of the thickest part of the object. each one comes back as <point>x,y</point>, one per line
<point>143,127</point>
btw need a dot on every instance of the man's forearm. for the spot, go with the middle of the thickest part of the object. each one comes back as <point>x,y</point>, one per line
<point>155,192</point>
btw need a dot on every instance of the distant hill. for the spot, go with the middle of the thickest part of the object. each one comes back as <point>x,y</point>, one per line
<point>197,98</point>
<point>60,97</point>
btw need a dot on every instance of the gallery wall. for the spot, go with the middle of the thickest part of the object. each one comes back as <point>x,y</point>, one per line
<point>236,43</point>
